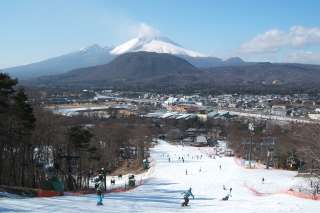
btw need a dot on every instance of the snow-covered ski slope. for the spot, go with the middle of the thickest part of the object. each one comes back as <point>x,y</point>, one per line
<point>162,190</point>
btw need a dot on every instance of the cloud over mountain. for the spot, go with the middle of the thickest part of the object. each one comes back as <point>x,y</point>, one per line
<point>307,57</point>
<point>150,39</point>
<point>145,30</point>
<point>274,40</point>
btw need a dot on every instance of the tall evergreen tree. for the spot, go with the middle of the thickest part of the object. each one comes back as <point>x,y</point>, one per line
<point>16,125</point>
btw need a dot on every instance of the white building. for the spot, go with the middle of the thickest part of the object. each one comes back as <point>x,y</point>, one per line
<point>314,116</point>
<point>201,140</point>
<point>279,110</point>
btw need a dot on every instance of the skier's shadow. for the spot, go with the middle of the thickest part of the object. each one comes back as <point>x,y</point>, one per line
<point>166,191</point>
<point>149,183</point>
<point>151,198</point>
<point>146,198</point>
<point>2,209</point>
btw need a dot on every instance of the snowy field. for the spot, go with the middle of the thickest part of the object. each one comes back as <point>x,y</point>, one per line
<point>167,180</point>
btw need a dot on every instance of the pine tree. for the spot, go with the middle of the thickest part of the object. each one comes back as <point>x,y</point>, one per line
<point>16,125</point>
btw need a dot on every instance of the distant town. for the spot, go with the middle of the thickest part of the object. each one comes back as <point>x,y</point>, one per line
<point>300,108</point>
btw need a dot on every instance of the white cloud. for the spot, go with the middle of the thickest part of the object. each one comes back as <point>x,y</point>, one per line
<point>274,39</point>
<point>304,57</point>
<point>144,30</point>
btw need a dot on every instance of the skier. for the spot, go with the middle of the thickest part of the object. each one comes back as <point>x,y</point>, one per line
<point>186,172</point>
<point>263,180</point>
<point>112,181</point>
<point>186,196</point>
<point>169,160</point>
<point>99,185</point>
<point>182,160</point>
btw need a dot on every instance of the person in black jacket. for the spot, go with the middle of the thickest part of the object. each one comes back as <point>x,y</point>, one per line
<point>99,185</point>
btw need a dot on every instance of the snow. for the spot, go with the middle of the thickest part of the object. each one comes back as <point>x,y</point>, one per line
<point>262,116</point>
<point>166,181</point>
<point>153,44</point>
<point>75,110</point>
<point>176,115</point>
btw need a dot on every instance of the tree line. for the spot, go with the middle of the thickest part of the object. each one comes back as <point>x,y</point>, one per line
<point>38,147</point>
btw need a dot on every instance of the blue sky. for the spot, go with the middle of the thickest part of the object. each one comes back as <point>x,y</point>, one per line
<point>275,30</point>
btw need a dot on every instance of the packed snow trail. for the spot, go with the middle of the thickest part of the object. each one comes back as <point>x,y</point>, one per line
<point>162,191</point>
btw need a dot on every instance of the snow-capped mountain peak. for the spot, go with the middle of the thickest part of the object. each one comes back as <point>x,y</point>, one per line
<point>156,44</point>
<point>94,48</point>
<point>90,48</point>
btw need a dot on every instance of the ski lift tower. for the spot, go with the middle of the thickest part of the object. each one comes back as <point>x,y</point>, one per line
<point>251,130</point>
<point>269,143</point>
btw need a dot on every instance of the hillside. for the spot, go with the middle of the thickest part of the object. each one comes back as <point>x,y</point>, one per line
<point>90,56</point>
<point>130,69</point>
<point>267,74</point>
<point>155,71</point>
<point>164,183</point>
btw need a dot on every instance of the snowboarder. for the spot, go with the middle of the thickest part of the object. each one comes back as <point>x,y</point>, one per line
<point>226,197</point>
<point>186,196</point>
<point>99,185</point>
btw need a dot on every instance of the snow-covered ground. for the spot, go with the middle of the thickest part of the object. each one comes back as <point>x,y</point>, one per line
<point>162,189</point>
<point>269,117</point>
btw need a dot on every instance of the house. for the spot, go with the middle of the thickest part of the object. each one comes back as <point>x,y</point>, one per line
<point>187,141</point>
<point>229,152</point>
<point>279,110</point>
<point>202,117</point>
<point>200,140</point>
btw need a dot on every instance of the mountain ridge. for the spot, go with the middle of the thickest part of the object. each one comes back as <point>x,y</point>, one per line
<point>161,71</point>
<point>96,55</point>
<point>89,56</point>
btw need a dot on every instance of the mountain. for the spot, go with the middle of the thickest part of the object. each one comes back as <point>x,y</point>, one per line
<point>155,44</point>
<point>234,61</point>
<point>207,62</point>
<point>90,56</point>
<point>268,76</point>
<point>96,55</point>
<point>130,69</point>
<point>166,72</point>
<point>160,44</point>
